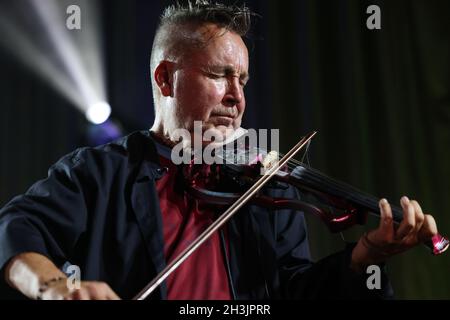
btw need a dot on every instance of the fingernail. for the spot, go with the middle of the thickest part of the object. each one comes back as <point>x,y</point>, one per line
<point>383,201</point>
<point>405,200</point>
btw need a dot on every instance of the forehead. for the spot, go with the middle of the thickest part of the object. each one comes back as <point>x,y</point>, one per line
<point>221,48</point>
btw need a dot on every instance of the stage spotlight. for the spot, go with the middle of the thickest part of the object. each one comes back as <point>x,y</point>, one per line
<point>36,33</point>
<point>98,113</point>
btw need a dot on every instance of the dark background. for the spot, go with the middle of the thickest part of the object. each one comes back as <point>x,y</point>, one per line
<point>379,99</point>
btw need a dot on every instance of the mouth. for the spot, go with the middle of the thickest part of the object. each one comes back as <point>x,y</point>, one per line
<point>224,120</point>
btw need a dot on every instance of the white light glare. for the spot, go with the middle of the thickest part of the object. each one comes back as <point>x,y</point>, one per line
<point>69,60</point>
<point>99,112</point>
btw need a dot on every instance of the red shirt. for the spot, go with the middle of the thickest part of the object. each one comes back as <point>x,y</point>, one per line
<point>203,275</point>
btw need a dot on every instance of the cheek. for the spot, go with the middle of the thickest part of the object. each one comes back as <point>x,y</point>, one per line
<point>215,92</point>
<point>196,96</point>
<point>206,94</point>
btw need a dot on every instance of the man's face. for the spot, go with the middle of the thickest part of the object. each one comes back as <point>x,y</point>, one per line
<point>208,85</point>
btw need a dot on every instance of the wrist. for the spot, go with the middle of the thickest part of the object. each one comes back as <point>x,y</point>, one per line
<point>366,253</point>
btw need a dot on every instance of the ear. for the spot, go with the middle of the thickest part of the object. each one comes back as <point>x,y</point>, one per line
<point>163,78</point>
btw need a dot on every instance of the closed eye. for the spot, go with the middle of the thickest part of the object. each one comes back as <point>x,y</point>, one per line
<point>215,75</point>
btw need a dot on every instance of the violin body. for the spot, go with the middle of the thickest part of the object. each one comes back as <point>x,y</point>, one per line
<point>338,205</point>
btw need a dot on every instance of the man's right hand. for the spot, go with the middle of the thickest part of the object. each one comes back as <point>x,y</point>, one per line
<point>37,277</point>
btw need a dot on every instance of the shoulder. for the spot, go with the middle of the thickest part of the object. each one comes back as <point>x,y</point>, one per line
<point>133,148</point>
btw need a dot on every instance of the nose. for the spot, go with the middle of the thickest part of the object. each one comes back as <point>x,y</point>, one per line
<point>234,94</point>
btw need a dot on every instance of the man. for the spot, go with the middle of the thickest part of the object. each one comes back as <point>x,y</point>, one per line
<point>114,212</point>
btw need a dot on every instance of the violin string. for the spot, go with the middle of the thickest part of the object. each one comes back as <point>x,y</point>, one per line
<point>306,154</point>
<point>291,164</point>
<point>294,163</point>
<point>342,236</point>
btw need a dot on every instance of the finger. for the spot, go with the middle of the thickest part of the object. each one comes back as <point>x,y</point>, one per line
<point>102,291</point>
<point>429,228</point>
<point>409,219</point>
<point>419,215</point>
<point>386,226</point>
<point>80,294</point>
<point>69,295</point>
<point>113,296</point>
<point>108,293</point>
<point>95,292</point>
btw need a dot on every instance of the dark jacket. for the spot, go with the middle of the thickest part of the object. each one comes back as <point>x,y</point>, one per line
<point>98,209</point>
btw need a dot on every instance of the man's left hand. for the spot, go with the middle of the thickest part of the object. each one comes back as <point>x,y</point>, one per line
<point>388,239</point>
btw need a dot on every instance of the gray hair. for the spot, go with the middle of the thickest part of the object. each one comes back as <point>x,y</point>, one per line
<point>231,17</point>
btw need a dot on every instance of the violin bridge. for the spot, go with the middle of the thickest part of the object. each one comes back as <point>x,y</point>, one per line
<point>270,160</point>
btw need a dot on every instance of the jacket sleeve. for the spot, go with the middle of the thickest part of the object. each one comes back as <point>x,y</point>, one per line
<point>328,278</point>
<point>50,217</point>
